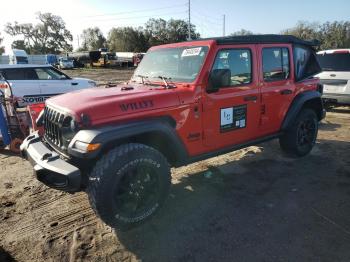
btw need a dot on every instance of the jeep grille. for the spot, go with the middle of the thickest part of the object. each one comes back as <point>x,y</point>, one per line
<point>52,123</point>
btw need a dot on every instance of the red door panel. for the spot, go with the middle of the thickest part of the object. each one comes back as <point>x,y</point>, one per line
<point>277,84</point>
<point>232,115</point>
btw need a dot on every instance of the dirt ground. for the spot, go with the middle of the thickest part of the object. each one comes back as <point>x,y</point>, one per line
<point>102,76</point>
<point>250,205</point>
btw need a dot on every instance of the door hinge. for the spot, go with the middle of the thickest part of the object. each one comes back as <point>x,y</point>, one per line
<point>262,109</point>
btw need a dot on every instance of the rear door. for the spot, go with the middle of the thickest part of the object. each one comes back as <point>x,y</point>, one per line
<point>277,84</point>
<point>24,84</point>
<point>231,115</point>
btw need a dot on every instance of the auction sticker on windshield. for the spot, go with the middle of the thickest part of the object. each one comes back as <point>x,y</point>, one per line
<point>191,51</point>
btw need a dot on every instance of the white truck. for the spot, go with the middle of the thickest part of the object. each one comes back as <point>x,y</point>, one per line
<point>18,56</point>
<point>35,83</point>
<point>335,75</point>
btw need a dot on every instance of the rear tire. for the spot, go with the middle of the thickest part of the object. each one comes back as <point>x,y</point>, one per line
<point>128,185</point>
<point>300,138</point>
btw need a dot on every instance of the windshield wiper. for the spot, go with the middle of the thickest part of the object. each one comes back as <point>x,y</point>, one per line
<point>143,79</point>
<point>164,78</point>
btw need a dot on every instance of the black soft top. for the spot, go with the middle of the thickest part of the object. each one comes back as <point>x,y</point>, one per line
<point>262,39</point>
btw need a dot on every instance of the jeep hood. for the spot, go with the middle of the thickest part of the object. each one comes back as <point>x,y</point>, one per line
<point>107,103</point>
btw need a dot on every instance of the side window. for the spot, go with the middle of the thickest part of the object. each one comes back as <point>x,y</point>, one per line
<point>239,62</point>
<point>275,63</point>
<point>49,74</point>
<point>20,74</point>
<point>306,63</point>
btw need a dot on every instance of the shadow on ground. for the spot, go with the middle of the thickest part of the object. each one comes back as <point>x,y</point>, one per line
<point>5,256</point>
<point>262,208</point>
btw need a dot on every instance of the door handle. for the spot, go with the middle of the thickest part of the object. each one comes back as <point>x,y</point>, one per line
<point>286,92</point>
<point>250,98</point>
<point>74,84</point>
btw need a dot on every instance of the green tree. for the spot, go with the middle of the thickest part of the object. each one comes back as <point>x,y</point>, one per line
<point>127,39</point>
<point>331,35</point>
<point>20,44</point>
<point>48,36</point>
<point>2,49</point>
<point>242,32</point>
<point>159,31</point>
<point>304,30</point>
<point>335,35</point>
<point>93,39</point>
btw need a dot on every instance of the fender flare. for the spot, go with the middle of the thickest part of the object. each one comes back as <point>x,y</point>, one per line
<point>299,101</point>
<point>108,135</point>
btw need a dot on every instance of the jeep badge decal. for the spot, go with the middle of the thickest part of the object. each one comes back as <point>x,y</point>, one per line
<point>136,105</point>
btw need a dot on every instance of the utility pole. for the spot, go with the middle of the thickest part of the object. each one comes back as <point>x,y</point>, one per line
<point>189,20</point>
<point>223,25</point>
<point>78,42</point>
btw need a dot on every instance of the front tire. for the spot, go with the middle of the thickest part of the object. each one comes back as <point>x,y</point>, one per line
<point>299,140</point>
<point>128,185</point>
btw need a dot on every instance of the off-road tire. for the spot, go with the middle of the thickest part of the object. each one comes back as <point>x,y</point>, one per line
<point>290,141</point>
<point>108,178</point>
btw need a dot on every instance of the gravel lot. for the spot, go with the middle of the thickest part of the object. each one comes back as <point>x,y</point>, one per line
<point>250,205</point>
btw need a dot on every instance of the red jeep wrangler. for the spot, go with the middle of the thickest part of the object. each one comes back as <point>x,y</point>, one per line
<point>185,102</point>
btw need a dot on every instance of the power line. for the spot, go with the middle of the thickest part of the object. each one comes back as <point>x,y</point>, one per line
<point>134,11</point>
<point>136,17</point>
<point>209,20</point>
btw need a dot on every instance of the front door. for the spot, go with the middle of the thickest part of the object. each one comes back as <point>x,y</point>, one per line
<point>231,115</point>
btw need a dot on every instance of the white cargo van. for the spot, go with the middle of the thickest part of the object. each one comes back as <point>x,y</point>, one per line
<point>18,56</point>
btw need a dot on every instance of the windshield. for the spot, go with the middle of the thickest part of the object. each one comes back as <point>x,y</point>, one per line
<point>334,62</point>
<point>22,59</point>
<point>180,64</point>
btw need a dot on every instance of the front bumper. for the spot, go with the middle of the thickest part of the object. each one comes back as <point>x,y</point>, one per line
<point>49,168</point>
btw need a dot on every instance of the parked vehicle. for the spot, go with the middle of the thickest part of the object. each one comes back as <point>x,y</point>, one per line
<point>65,63</point>
<point>48,59</point>
<point>35,83</point>
<point>18,56</point>
<point>185,102</point>
<point>125,58</point>
<point>85,57</point>
<point>335,75</point>
<point>137,58</point>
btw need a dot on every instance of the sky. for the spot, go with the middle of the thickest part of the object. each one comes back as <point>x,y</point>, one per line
<point>259,16</point>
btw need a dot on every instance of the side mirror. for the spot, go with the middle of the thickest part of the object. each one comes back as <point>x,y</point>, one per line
<point>218,78</point>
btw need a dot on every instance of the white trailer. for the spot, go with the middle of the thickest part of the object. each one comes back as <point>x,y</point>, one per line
<point>4,59</point>
<point>18,56</point>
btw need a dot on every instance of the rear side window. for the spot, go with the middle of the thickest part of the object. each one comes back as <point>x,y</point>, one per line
<point>238,61</point>
<point>275,63</point>
<point>305,62</point>
<point>49,74</point>
<point>20,74</point>
<point>334,62</point>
